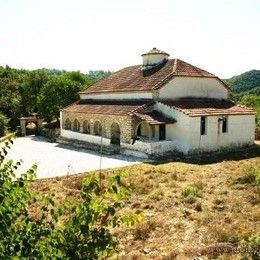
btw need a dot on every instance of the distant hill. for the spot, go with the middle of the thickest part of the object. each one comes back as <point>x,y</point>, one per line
<point>246,82</point>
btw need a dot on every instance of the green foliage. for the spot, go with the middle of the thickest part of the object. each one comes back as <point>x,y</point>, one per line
<point>10,99</point>
<point>35,227</point>
<point>251,176</point>
<point>251,249</point>
<point>246,81</point>
<point>55,94</point>
<point>96,75</point>
<point>3,124</point>
<point>190,194</point>
<point>252,101</point>
<point>30,89</point>
<point>23,92</point>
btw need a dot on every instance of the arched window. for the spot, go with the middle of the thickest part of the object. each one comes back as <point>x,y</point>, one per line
<point>97,128</point>
<point>67,124</point>
<point>76,125</point>
<point>86,127</point>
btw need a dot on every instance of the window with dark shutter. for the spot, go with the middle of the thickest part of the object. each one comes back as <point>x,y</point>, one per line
<point>203,125</point>
<point>224,125</point>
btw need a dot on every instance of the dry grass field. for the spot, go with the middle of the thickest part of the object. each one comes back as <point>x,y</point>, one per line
<point>189,209</point>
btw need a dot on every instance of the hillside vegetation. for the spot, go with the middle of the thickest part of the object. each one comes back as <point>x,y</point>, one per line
<point>245,82</point>
<point>188,210</point>
<point>246,90</point>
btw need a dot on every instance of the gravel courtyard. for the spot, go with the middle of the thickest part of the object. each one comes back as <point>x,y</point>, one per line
<point>55,159</point>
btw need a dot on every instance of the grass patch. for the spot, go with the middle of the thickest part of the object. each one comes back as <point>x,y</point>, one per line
<point>190,193</point>
<point>157,194</point>
<point>142,230</point>
<point>250,176</point>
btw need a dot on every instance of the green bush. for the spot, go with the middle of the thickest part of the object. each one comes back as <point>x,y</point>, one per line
<point>251,176</point>
<point>35,227</point>
<point>251,249</point>
<point>190,194</point>
<point>3,124</point>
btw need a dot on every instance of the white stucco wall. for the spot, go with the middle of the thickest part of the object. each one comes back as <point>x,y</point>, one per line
<point>185,133</point>
<point>241,132</point>
<point>150,59</point>
<point>178,132</point>
<point>180,87</point>
<point>84,137</point>
<point>148,147</point>
<point>114,96</point>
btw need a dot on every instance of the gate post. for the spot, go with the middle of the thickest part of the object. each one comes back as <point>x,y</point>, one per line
<point>23,126</point>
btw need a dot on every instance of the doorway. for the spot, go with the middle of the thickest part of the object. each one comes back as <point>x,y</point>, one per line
<point>161,132</point>
<point>115,134</point>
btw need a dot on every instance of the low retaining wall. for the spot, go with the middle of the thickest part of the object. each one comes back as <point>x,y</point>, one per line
<point>156,148</point>
<point>85,137</point>
<point>142,149</point>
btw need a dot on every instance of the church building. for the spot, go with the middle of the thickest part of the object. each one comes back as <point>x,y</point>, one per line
<point>162,105</point>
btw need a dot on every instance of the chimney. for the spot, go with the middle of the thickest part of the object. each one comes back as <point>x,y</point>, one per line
<point>154,57</point>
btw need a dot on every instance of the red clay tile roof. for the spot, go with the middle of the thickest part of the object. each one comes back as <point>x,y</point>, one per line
<point>155,118</point>
<point>108,107</point>
<point>135,79</point>
<point>208,107</point>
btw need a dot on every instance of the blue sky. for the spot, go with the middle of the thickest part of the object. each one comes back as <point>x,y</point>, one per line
<point>221,36</point>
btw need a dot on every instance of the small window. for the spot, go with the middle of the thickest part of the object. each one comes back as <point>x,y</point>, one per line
<point>224,124</point>
<point>203,125</point>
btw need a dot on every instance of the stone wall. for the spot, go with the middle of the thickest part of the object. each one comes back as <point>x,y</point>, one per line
<point>124,122</point>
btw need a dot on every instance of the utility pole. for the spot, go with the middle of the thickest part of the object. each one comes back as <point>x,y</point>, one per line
<point>100,159</point>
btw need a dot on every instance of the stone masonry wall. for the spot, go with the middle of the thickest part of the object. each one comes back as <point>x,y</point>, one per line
<point>124,122</point>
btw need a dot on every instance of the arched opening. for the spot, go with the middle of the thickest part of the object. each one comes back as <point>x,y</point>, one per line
<point>142,130</point>
<point>86,127</point>
<point>31,128</point>
<point>76,125</point>
<point>67,124</point>
<point>97,128</point>
<point>115,134</point>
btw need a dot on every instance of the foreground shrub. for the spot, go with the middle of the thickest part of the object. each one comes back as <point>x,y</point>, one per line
<point>34,227</point>
<point>251,249</point>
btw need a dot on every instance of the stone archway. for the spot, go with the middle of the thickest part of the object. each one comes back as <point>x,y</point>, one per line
<point>24,121</point>
<point>115,134</point>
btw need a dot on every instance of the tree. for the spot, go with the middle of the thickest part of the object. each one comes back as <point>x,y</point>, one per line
<point>10,100</point>
<point>58,92</point>
<point>252,101</point>
<point>3,124</point>
<point>36,227</point>
<point>30,89</point>
<point>96,75</point>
